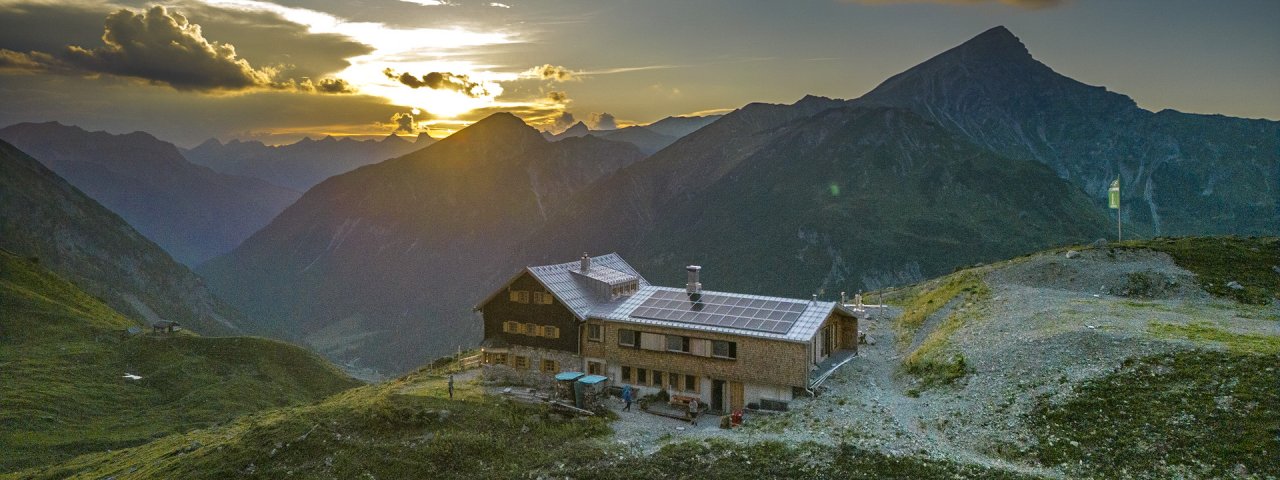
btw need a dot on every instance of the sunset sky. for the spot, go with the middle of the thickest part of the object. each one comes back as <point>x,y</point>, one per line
<point>277,70</point>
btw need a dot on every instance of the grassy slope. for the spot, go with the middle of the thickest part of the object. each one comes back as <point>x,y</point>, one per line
<point>1253,262</point>
<point>64,354</point>
<point>408,428</point>
<point>1198,413</point>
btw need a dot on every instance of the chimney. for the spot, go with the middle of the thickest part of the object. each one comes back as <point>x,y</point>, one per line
<point>586,262</point>
<point>694,287</point>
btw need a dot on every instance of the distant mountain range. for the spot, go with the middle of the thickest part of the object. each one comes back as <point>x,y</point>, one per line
<point>648,138</point>
<point>300,165</point>
<point>42,217</point>
<point>193,212</point>
<point>358,265</point>
<point>978,154</point>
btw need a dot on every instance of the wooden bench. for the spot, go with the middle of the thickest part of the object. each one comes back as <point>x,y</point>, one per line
<point>681,400</point>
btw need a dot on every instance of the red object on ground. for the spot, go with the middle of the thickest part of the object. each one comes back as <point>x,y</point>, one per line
<point>736,418</point>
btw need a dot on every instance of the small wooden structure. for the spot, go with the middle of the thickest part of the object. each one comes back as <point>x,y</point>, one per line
<point>164,326</point>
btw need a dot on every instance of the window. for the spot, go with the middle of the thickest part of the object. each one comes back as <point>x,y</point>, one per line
<point>626,373</point>
<point>510,327</point>
<point>520,296</point>
<point>595,332</point>
<point>642,376</point>
<point>673,381</point>
<point>498,359</point>
<point>531,329</point>
<point>657,379</point>
<point>627,338</point>
<point>723,349</point>
<point>542,298</point>
<point>550,366</point>
<point>522,362</point>
<point>595,368</point>
<point>677,343</point>
<point>550,331</point>
<point>691,383</point>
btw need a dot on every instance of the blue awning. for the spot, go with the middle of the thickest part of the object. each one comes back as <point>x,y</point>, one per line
<point>568,376</point>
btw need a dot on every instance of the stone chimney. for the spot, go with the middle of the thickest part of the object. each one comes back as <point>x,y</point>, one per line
<point>586,262</point>
<point>694,287</point>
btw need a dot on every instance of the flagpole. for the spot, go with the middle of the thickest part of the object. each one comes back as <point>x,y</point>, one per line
<point>1113,201</point>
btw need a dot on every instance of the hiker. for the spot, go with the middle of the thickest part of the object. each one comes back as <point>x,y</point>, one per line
<point>451,386</point>
<point>626,398</point>
<point>693,411</point>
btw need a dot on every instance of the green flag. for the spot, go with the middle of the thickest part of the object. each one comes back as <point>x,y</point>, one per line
<point>1113,194</point>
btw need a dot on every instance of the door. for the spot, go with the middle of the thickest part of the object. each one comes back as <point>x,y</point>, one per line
<point>736,395</point>
<point>717,395</point>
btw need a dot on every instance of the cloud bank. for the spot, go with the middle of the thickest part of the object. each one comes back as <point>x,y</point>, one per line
<point>164,48</point>
<point>1027,4</point>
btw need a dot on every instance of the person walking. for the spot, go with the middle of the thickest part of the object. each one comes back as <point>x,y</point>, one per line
<point>626,398</point>
<point>693,411</point>
<point>450,386</point>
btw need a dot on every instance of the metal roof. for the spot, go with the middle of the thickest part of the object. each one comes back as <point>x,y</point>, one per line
<point>574,291</point>
<point>605,274</point>
<point>802,328</point>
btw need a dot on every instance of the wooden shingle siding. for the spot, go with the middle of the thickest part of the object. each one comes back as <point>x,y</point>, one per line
<point>518,321</point>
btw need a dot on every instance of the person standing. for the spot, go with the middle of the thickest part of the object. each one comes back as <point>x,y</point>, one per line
<point>693,411</point>
<point>626,398</point>
<point>450,386</point>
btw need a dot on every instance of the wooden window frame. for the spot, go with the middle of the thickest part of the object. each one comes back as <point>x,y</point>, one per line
<point>635,338</point>
<point>551,331</point>
<point>599,335</point>
<point>550,366</point>
<point>732,346</point>
<point>520,362</point>
<point>684,343</point>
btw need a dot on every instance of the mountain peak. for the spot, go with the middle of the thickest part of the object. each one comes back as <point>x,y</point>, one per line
<point>498,125</point>
<point>995,43</point>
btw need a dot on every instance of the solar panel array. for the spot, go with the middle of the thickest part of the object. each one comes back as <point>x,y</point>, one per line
<point>765,315</point>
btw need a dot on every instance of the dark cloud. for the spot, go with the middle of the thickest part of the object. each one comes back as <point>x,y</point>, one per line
<point>260,37</point>
<point>325,85</point>
<point>552,72</point>
<point>1027,4</point>
<point>440,81</point>
<point>404,123</point>
<point>164,47</point>
<point>266,38</point>
<point>558,97</point>
<point>31,62</point>
<point>602,121</point>
<point>562,122</point>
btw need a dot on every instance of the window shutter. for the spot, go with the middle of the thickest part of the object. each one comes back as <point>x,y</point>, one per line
<point>653,341</point>
<point>700,347</point>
